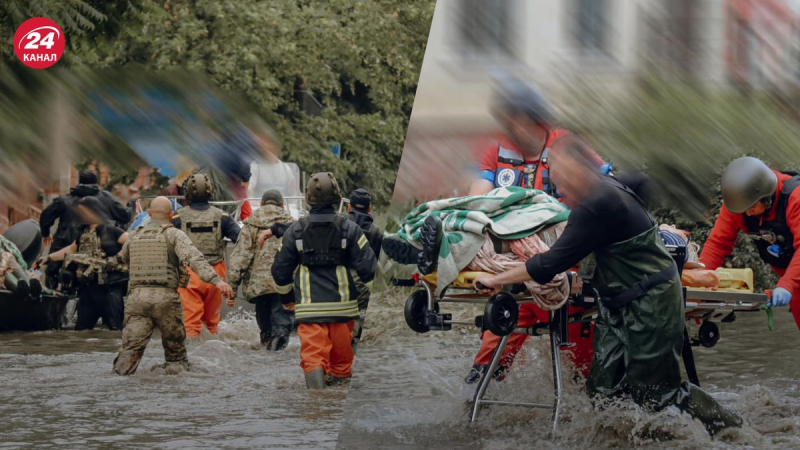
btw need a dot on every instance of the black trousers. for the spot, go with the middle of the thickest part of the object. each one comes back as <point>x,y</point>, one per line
<point>272,319</point>
<point>100,301</point>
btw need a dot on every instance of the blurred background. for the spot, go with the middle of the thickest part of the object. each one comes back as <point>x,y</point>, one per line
<point>147,90</point>
<point>676,88</point>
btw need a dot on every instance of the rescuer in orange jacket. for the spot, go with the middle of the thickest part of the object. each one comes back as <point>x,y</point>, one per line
<point>521,160</point>
<point>765,204</point>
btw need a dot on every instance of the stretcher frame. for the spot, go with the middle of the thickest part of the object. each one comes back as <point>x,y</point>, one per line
<point>700,304</point>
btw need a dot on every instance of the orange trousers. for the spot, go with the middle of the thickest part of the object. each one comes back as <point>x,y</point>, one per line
<point>328,346</point>
<point>529,314</point>
<point>202,303</point>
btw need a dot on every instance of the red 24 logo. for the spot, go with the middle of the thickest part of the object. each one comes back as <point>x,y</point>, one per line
<point>39,43</point>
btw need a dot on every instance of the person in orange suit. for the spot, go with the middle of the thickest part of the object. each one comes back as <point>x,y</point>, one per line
<point>764,204</point>
<point>207,227</point>
<point>321,255</point>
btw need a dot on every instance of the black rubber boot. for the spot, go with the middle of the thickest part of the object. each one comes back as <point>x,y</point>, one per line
<point>316,379</point>
<point>17,284</point>
<point>401,251</point>
<point>36,289</point>
<point>278,343</point>
<point>475,374</point>
<point>431,235</point>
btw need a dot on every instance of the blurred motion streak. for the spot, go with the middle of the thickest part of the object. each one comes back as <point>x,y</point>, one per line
<point>677,88</point>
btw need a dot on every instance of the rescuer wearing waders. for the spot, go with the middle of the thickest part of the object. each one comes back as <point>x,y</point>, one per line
<point>251,265</point>
<point>639,329</point>
<point>360,212</point>
<point>156,255</point>
<point>326,246</point>
<point>90,262</point>
<point>206,226</point>
<point>764,204</point>
<point>528,120</point>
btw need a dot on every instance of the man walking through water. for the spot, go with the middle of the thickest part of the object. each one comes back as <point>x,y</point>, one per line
<point>639,329</point>
<point>156,254</point>
<point>326,246</point>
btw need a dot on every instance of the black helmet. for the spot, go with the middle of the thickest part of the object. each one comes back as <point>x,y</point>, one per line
<point>745,182</point>
<point>322,189</point>
<point>517,96</point>
<point>198,188</point>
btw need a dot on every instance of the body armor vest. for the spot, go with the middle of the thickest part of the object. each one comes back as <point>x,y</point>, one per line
<point>152,260</point>
<point>89,244</point>
<point>322,242</point>
<point>774,240</point>
<point>204,230</point>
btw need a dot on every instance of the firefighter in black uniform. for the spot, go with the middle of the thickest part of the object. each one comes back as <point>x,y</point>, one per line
<point>328,248</point>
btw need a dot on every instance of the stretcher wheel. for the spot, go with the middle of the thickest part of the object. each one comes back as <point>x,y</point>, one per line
<point>708,334</point>
<point>416,309</point>
<point>501,314</point>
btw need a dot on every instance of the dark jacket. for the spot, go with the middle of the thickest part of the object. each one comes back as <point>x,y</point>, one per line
<point>373,233</point>
<point>324,293</point>
<point>63,210</point>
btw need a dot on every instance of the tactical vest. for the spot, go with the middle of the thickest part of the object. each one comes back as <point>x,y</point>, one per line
<point>204,230</point>
<point>322,242</point>
<point>153,262</point>
<point>512,170</point>
<point>774,239</point>
<point>89,244</point>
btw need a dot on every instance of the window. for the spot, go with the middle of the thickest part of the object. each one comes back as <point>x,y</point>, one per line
<point>590,25</point>
<point>484,28</point>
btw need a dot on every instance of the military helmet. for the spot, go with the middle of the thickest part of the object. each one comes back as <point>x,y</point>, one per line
<point>517,96</point>
<point>197,188</point>
<point>745,182</point>
<point>322,189</point>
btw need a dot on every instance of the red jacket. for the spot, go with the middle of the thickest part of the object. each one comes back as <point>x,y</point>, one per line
<point>727,227</point>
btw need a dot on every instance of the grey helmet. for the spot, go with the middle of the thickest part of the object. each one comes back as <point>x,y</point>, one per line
<point>512,94</point>
<point>198,188</point>
<point>323,189</point>
<point>745,182</point>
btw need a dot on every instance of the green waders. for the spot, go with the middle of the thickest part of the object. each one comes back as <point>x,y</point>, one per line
<point>637,346</point>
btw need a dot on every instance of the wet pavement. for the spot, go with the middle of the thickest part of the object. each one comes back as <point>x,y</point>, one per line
<point>408,392</point>
<point>58,393</point>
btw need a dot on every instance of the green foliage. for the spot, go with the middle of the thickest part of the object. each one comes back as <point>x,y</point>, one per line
<point>359,59</point>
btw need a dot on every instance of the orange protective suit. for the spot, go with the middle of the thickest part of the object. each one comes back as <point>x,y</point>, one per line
<point>580,352</point>
<point>327,346</point>
<point>202,303</point>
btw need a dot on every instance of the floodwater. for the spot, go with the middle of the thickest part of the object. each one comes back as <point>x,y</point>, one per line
<point>57,392</point>
<point>408,392</point>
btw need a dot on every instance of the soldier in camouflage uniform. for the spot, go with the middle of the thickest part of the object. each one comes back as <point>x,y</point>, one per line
<point>206,226</point>
<point>251,266</point>
<point>156,254</point>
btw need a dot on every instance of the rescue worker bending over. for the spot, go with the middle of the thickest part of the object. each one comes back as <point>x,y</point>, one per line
<point>251,267</point>
<point>325,246</point>
<point>639,330</point>
<point>765,204</point>
<point>360,209</point>
<point>156,255</point>
<point>206,226</point>
<point>100,294</point>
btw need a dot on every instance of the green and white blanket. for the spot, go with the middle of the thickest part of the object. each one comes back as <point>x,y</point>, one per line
<point>509,213</point>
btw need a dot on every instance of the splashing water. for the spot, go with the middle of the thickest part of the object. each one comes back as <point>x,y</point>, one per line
<point>58,392</point>
<point>408,392</point>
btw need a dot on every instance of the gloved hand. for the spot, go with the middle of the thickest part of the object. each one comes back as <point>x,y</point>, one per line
<point>780,297</point>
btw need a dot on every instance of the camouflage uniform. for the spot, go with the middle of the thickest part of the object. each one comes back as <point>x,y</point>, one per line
<point>156,254</point>
<point>251,267</point>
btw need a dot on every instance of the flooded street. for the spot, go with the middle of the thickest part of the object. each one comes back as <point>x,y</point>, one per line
<point>408,392</point>
<point>58,393</point>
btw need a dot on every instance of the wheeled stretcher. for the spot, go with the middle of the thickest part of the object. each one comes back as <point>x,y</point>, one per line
<point>423,313</point>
